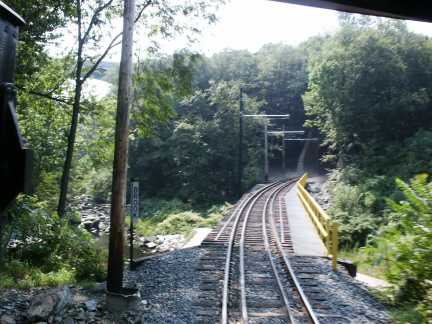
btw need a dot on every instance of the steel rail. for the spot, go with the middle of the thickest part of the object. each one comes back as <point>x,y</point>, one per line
<point>249,200</point>
<point>268,247</point>
<point>242,279</point>
<point>233,215</point>
<point>281,223</point>
<point>287,263</point>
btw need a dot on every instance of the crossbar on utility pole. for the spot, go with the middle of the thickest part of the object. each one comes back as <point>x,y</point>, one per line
<point>287,132</point>
<point>268,116</point>
<point>116,238</point>
<point>301,139</point>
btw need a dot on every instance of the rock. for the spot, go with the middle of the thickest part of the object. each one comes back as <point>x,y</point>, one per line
<point>52,302</point>
<point>151,245</point>
<point>6,319</point>
<point>91,305</point>
<point>160,239</point>
<point>99,288</point>
<point>68,320</point>
<point>80,316</point>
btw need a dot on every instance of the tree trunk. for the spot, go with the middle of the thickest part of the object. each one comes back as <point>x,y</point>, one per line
<point>74,123</point>
<point>71,143</point>
<point>116,242</point>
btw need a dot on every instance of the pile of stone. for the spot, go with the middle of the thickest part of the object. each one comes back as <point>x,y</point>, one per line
<point>64,305</point>
<point>320,192</point>
<point>160,243</point>
<point>95,218</point>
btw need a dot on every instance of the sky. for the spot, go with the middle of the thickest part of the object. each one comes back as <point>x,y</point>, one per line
<point>249,24</point>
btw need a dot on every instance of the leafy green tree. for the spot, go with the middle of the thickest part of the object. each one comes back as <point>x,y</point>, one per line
<point>282,80</point>
<point>194,157</point>
<point>408,238</point>
<point>44,124</point>
<point>43,19</point>
<point>157,18</point>
<point>366,88</point>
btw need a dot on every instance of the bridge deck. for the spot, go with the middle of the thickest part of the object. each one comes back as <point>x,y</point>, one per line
<point>304,236</point>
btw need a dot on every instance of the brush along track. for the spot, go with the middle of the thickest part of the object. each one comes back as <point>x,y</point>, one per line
<point>248,255</point>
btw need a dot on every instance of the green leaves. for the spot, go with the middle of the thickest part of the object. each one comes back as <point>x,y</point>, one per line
<point>410,232</point>
<point>366,89</point>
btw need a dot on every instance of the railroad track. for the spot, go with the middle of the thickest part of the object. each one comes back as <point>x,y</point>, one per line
<point>259,284</point>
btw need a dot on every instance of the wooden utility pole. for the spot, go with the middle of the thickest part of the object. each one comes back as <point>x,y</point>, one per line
<point>266,162</point>
<point>266,132</point>
<point>240,148</point>
<point>124,98</point>
<point>283,149</point>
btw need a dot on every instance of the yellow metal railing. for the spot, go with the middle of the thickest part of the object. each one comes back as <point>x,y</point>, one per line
<point>327,230</point>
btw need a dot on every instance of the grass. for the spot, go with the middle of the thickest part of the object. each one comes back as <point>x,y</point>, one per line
<point>159,217</point>
<point>406,314</point>
<point>163,217</point>
<point>22,276</point>
<point>370,261</point>
<point>366,262</point>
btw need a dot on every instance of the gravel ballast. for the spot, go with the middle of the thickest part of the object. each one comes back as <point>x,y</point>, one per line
<point>170,284</point>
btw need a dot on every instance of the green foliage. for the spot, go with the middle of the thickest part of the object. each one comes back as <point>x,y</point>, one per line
<point>176,217</point>
<point>187,147</point>
<point>405,314</point>
<point>44,123</point>
<point>43,19</point>
<point>370,260</point>
<point>354,207</point>
<point>46,250</point>
<point>369,89</point>
<point>180,223</point>
<point>409,236</point>
<point>401,250</point>
<point>425,307</point>
<point>194,158</point>
<point>17,274</point>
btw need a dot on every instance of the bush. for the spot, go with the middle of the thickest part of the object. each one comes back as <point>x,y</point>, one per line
<point>182,223</point>
<point>353,209</point>
<point>100,186</point>
<point>425,307</point>
<point>19,274</point>
<point>46,250</point>
<point>410,238</point>
<point>176,217</point>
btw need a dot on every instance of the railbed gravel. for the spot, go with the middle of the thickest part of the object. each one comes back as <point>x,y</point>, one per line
<point>346,300</point>
<point>170,285</point>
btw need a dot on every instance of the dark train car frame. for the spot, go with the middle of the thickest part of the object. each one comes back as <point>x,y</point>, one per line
<point>15,158</point>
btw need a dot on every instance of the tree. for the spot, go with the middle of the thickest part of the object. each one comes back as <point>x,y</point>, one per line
<point>43,19</point>
<point>194,155</point>
<point>44,124</point>
<point>369,88</point>
<point>92,20</point>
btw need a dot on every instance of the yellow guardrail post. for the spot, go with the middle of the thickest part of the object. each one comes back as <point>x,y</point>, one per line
<point>335,245</point>
<point>327,230</point>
